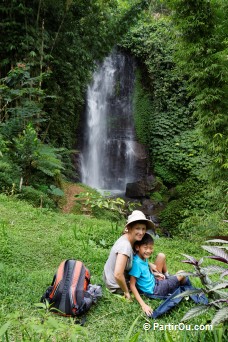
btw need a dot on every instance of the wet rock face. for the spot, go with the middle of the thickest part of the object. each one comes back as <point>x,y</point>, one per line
<point>141,188</point>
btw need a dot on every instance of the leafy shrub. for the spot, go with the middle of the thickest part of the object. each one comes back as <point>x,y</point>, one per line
<point>36,197</point>
<point>186,197</point>
<point>214,290</point>
<point>202,223</point>
<point>104,206</point>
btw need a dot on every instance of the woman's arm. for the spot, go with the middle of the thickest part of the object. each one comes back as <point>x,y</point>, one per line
<point>121,261</point>
<point>146,308</point>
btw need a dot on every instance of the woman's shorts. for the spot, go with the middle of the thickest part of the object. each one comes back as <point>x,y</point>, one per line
<point>166,286</point>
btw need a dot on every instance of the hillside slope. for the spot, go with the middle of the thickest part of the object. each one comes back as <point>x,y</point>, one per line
<point>33,242</point>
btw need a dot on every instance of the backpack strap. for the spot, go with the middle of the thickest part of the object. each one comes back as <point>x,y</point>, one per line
<point>77,272</point>
<point>57,279</point>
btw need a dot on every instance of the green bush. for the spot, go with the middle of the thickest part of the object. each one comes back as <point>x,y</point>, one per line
<point>36,197</point>
<point>184,199</point>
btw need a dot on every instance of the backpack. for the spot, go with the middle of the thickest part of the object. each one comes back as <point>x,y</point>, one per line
<point>71,293</point>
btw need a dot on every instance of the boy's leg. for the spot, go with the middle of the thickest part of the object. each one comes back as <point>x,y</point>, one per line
<point>167,286</point>
<point>181,278</point>
<point>160,262</point>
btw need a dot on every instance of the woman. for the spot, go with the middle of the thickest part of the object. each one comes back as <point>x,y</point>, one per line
<point>121,254</point>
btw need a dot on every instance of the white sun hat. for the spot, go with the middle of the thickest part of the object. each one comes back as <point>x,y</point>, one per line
<point>138,215</point>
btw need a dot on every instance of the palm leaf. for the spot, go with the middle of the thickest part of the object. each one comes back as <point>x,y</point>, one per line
<point>196,311</point>
<point>220,316</point>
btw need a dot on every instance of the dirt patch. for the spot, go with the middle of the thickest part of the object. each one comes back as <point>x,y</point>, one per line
<point>70,190</point>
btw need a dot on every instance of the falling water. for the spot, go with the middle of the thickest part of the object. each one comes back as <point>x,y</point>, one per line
<point>108,155</point>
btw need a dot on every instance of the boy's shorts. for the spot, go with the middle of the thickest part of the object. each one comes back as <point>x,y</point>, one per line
<point>166,286</point>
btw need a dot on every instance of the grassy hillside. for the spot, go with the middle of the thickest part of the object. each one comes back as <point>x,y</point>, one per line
<point>34,241</point>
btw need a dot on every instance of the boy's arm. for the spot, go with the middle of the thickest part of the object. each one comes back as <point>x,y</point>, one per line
<point>146,308</point>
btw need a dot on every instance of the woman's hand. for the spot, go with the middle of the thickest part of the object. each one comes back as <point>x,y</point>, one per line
<point>127,295</point>
<point>147,309</point>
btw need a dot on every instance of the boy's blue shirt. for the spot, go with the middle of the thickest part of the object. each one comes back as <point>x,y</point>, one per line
<point>145,280</point>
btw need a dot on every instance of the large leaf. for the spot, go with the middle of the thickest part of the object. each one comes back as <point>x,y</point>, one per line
<point>189,292</point>
<point>220,316</point>
<point>188,262</point>
<point>185,274</point>
<point>217,258</point>
<point>224,274</point>
<point>217,252</point>
<point>196,311</point>
<point>213,269</point>
<point>220,286</point>
<point>218,240</point>
<point>218,301</point>
<point>192,260</point>
<point>222,294</point>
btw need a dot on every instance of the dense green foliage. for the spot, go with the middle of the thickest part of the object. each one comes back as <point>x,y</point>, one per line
<point>180,107</point>
<point>180,98</point>
<point>48,51</point>
<point>29,167</point>
<point>63,38</point>
<point>162,109</point>
<point>33,242</point>
<point>202,56</point>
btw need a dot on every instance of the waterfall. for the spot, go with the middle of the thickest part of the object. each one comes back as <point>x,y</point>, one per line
<point>108,155</point>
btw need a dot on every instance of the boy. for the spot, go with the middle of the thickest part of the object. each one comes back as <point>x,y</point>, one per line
<point>147,278</point>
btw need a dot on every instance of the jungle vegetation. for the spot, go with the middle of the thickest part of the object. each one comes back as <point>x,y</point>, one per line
<point>49,50</point>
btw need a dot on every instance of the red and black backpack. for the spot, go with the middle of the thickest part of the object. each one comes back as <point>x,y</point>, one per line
<point>69,293</point>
